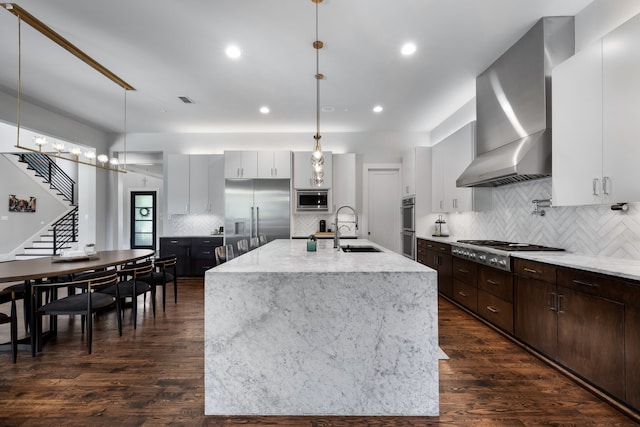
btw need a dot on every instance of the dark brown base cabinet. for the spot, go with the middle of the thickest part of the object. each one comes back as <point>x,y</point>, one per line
<point>578,320</point>
<point>195,254</point>
<point>438,256</point>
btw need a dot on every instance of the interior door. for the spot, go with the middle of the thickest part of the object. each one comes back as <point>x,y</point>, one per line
<point>384,208</point>
<point>143,220</point>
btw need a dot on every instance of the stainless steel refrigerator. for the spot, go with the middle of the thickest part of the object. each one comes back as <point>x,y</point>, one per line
<point>257,206</point>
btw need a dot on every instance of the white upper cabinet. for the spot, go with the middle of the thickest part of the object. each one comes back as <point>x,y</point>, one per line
<point>596,131</point>
<point>195,184</point>
<point>177,184</point>
<point>274,164</point>
<point>577,129</point>
<point>621,118</point>
<point>344,180</point>
<point>417,178</point>
<point>450,158</point>
<point>303,173</point>
<point>241,164</point>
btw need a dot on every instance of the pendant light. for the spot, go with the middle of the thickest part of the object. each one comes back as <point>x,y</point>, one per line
<point>317,157</point>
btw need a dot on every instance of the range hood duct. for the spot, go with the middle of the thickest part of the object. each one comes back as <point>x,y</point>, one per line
<point>513,107</point>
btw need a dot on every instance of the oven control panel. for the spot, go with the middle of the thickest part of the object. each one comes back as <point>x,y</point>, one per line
<point>491,259</point>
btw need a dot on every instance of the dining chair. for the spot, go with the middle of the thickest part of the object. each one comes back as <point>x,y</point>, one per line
<point>89,301</point>
<point>132,286</point>
<point>223,254</point>
<point>243,247</point>
<point>9,296</point>
<point>254,243</point>
<point>164,271</point>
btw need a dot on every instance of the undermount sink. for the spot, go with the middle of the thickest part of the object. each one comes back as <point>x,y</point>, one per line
<point>350,248</point>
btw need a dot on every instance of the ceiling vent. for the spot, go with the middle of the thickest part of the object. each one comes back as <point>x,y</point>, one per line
<point>185,99</point>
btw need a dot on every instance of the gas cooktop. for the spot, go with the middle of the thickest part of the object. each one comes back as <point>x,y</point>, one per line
<point>493,253</point>
<point>508,246</point>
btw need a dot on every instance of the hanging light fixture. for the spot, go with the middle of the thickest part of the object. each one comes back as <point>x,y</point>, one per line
<point>40,141</point>
<point>317,157</point>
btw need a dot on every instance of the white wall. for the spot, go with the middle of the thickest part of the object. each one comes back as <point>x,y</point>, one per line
<point>16,227</point>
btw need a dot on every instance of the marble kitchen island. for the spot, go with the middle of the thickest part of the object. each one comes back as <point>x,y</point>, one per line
<point>291,332</point>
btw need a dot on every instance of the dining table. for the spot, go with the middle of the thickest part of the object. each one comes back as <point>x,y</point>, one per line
<point>35,270</point>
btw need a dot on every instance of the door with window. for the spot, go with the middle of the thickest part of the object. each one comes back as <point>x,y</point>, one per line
<point>143,220</point>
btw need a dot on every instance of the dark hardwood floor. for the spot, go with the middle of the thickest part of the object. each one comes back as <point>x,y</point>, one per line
<point>154,376</point>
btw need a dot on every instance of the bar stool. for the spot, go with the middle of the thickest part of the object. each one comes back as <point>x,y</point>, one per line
<point>243,247</point>
<point>224,254</point>
<point>9,295</point>
<point>254,243</point>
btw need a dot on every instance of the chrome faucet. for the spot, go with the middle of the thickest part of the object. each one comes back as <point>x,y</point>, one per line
<point>336,237</point>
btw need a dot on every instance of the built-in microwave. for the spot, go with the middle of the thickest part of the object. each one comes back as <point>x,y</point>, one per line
<point>312,200</point>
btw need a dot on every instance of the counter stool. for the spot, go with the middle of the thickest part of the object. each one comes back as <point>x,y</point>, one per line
<point>224,254</point>
<point>243,247</point>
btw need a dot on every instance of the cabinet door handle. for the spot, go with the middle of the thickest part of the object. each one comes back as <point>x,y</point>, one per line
<point>604,185</point>
<point>241,171</point>
<point>275,171</point>
<point>530,270</point>
<point>464,294</point>
<point>560,305</point>
<point>595,186</point>
<point>492,309</point>
<point>591,285</point>
<point>552,301</point>
<point>238,172</point>
<point>491,282</point>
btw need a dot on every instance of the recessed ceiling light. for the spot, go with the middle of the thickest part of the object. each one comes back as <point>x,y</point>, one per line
<point>378,109</point>
<point>233,52</point>
<point>408,49</point>
<point>264,110</point>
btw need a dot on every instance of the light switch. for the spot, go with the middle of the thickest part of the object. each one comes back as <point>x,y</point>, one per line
<point>4,218</point>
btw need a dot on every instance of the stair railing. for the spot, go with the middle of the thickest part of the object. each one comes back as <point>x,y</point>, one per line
<point>51,174</point>
<point>65,230</point>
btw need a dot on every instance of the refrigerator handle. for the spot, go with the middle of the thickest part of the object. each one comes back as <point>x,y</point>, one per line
<point>257,221</point>
<point>251,224</point>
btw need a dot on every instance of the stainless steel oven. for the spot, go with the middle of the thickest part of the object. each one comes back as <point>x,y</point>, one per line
<point>408,227</point>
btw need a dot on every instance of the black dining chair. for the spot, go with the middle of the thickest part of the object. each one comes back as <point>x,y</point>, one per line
<point>9,296</point>
<point>164,271</point>
<point>132,286</point>
<point>90,300</point>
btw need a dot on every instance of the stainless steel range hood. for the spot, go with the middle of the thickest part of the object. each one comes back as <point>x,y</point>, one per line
<point>513,107</point>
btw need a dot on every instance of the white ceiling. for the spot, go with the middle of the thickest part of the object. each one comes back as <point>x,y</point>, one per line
<point>166,49</point>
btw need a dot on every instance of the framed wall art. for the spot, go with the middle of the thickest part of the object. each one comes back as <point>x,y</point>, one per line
<point>22,203</point>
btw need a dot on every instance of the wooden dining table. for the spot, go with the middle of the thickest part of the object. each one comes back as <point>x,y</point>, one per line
<point>41,268</point>
<point>35,270</point>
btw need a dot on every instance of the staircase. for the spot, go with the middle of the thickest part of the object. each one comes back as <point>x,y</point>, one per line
<point>63,231</point>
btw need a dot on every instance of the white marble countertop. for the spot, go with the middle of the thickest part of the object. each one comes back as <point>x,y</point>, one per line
<point>291,256</point>
<point>625,268</point>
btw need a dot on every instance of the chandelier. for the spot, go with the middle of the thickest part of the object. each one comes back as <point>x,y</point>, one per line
<point>317,157</point>
<point>74,154</point>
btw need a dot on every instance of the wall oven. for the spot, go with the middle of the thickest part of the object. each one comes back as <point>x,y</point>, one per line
<point>408,227</point>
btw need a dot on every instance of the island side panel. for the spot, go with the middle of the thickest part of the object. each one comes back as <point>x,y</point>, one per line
<point>321,343</point>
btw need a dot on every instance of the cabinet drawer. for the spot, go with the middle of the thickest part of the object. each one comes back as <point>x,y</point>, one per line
<point>421,244</point>
<point>207,241</point>
<point>177,241</point>
<point>466,295</point>
<point>496,282</point>
<point>592,284</point>
<point>497,311</point>
<point>465,271</point>
<point>535,270</point>
<point>438,246</point>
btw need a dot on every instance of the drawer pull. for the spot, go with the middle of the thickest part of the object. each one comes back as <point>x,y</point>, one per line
<point>492,309</point>
<point>462,270</point>
<point>464,294</point>
<point>429,246</point>
<point>173,241</point>
<point>443,249</point>
<point>591,285</point>
<point>531,270</point>
<point>491,282</point>
<point>206,252</point>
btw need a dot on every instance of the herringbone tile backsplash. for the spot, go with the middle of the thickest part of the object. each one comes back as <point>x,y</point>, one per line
<point>585,230</point>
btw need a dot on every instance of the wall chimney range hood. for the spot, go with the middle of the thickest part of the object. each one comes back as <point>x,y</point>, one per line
<point>513,107</point>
